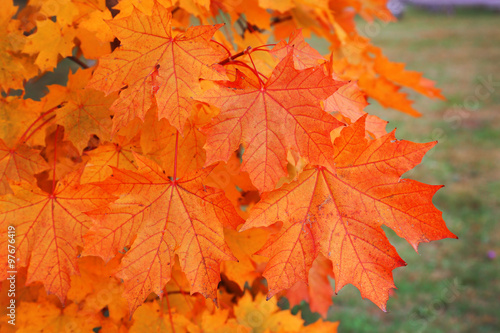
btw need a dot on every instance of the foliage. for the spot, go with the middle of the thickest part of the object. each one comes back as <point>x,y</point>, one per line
<point>191,163</point>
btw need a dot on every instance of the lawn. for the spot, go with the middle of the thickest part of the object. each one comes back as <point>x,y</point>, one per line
<point>451,285</point>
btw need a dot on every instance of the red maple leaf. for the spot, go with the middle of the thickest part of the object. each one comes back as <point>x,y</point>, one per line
<point>271,118</point>
<point>340,215</point>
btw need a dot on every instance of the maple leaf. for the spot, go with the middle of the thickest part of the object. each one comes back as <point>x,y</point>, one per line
<point>126,7</point>
<point>49,41</point>
<point>235,183</point>
<point>62,155</point>
<point>65,11</point>
<point>218,322</point>
<point>178,292</point>
<point>235,8</point>
<point>281,6</point>
<point>49,228</point>
<point>156,65</point>
<point>321,326</point>
<point>92,17</point>
<point>271,118</point>
<point>387,93</point>
<point>166,216</point>
<point>396,73</point>
<point>340,215</point>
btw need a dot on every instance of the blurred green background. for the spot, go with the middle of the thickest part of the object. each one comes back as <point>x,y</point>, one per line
<point>452,285</point>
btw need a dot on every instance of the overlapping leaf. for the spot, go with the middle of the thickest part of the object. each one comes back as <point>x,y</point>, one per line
<point>318,291</point>
<point>304,56</point>
<point>85,111</point>
<point>340,215</point>
<point>349,101</point>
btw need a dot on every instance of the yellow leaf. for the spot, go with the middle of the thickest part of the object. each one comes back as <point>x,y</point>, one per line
<point>50,41</point>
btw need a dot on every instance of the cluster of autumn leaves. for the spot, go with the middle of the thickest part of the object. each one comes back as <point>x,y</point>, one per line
<point>187,155</point>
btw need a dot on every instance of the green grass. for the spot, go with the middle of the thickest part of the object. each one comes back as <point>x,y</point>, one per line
<point>452,285</point>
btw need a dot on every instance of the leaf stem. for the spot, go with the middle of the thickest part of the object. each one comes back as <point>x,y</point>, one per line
<point>55,161</point>
<point>223,46</point>
<point>22,139</point>
<point>175,158</point>
<point>260,48</point>
<point>256,71</point>
<point>39,126</point>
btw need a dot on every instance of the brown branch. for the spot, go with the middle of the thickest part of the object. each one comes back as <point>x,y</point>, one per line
<point>280,19</point>
<point>79,62</point>
<point>237,55</point>
<point>177,292</point>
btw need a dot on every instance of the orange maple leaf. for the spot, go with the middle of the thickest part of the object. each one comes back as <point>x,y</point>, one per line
<point>49,41</point>
<point>271,118</point>
<point>340,215</point>
<point>152,63</point>
<point>160,216</point>
<point>396,72</point>
<point>49,229</point>
<point>387,93</point>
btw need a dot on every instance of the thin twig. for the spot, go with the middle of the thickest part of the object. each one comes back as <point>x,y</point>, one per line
<point>79,62</point>
<point>237,55</point>
<point>281,19</point>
